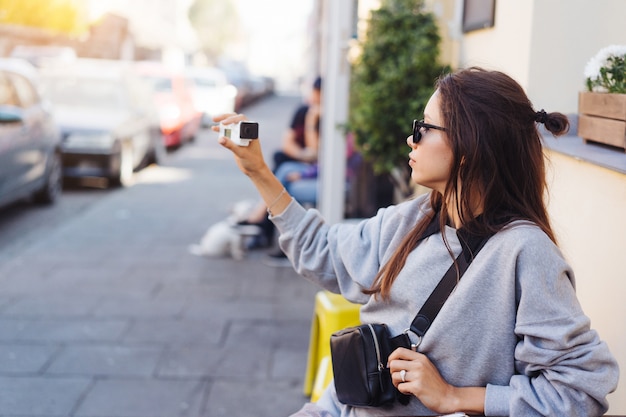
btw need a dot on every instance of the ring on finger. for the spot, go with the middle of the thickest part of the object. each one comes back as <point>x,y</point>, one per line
<point>403,375</point>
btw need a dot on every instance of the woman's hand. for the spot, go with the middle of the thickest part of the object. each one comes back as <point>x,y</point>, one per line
<point>250,161</point>
<point>249,158</point>
<point>423,380</point>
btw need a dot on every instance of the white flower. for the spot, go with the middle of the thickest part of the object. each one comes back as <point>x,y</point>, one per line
<point>600,60</point>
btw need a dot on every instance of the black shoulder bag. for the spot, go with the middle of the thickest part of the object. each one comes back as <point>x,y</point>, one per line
<point>359,354</point>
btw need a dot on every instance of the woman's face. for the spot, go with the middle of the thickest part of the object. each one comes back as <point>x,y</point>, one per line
<point>431,159</point>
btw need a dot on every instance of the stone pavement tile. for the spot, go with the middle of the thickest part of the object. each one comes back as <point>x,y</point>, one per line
<point>51,305</point>
<point>148,269</point>
<point>189,362</point>
<point>240,271</point>
<point>175,332</point>
<point>36,396</point>
<point>26,268</point>
<point>74,271</point>
<point>201,290</point>
<point>274,333</point>
<point>106,361</point>
<point>5,301</point>
<point>241,398</point>
<point>288,363</point>
<point>77,286</point>
<point>259,287</point>
<point>199,308</point>
<point>296,309</point>
<point>11,328</point>
<point>143,306</point>
<point>61,330</point>
<point>246,361</point>
<point>16,358</point>
<point>141,398</point>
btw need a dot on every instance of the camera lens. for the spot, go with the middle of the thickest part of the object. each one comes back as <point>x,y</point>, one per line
<point>249,130</point>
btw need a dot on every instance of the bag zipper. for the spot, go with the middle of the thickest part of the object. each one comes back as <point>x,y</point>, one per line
<point>380,363</point>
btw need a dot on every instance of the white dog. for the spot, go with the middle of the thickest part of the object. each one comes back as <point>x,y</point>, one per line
<point>226,238</point>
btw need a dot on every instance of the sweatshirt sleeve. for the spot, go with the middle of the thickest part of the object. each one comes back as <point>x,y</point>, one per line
<point>342,258</point>
<point>562,367</point>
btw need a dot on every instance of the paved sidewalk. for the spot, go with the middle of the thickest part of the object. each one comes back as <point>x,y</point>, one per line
<point>110,315</point>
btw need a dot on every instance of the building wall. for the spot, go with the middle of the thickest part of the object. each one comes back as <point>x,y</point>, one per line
<point>566,34</point>
<point>506,46</point>
<point>545,45</point>
<point>586,206</point>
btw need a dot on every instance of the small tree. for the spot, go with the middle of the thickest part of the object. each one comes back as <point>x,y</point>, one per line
<point>216,23</point>
<point>63,16</point>
<point>392,80</point>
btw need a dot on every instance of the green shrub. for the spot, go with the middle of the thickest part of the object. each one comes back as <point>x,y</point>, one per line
<point>392,80</point>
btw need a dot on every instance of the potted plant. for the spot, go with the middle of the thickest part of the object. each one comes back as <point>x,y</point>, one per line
<point>392,79</point>
<point>602,108</point>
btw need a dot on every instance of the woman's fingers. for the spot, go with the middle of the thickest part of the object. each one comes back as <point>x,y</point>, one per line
<point>404,354</point>
<point>228,118</point>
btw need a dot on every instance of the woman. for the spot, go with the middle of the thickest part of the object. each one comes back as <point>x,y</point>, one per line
<point>512,338</point>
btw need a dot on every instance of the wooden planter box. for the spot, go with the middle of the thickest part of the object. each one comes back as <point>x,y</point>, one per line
<point>602,118</point>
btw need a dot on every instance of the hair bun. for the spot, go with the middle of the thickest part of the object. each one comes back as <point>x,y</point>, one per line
<point>541,116</point>
<point>555,123</point>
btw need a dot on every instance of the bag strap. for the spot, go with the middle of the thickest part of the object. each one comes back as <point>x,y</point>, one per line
<point>470,245</point>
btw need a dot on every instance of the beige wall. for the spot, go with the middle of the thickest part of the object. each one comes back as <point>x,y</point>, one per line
<point>566,34</point>
<point>587,205</point>
<point>545,45</point>
<point>504,47</point>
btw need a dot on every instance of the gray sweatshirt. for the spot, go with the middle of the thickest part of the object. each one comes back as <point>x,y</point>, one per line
<point>513,324</point>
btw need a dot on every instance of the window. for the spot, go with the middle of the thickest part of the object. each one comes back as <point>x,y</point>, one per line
<point>478,14</point>
<point>25,91</point>
<point>8,96</point>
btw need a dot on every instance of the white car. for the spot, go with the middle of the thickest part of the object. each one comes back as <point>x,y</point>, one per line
<point>212,93</point>
<point>108,122</point>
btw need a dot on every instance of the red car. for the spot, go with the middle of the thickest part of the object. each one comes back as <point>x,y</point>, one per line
<point>179,118</point>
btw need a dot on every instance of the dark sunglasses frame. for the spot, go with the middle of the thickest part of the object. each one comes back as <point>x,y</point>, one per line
<point>417,127</point>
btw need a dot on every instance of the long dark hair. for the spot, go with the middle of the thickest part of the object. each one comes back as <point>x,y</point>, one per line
<point>497,158</point>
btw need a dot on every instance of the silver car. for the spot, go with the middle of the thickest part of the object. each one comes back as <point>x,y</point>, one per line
<point>30,147</point>
<point>108,121</point>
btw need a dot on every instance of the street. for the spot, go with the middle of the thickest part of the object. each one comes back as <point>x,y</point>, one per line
<point>104,312</point>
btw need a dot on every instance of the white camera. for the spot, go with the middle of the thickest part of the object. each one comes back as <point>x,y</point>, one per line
<point>240,133</point>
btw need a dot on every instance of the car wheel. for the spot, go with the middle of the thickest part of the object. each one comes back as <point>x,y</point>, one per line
<point>53,186</point>
<point>123,174</point>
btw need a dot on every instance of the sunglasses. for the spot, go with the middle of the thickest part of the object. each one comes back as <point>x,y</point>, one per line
<point>418,125</point>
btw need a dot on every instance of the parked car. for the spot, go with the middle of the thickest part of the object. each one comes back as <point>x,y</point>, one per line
<point>212,93</point>
<point>39,54</point>
<point>30,144</point>
<point>179,119</point>
<point>108,123</point>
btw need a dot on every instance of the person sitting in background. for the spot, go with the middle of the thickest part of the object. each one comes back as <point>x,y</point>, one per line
<point>299,151</point>
<point>300,180</point>
<point>301,140</point>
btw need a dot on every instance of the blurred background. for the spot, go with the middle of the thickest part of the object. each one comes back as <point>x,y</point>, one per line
<point>249,40</point>
<point>94,91</point>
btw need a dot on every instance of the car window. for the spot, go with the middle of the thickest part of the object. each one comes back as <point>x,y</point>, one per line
<point>8,95</point>
<point>141,95</point>
<point>205,82</point>
<point>25,91</point>
<point>160,83</point>
<point>95,93</point>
